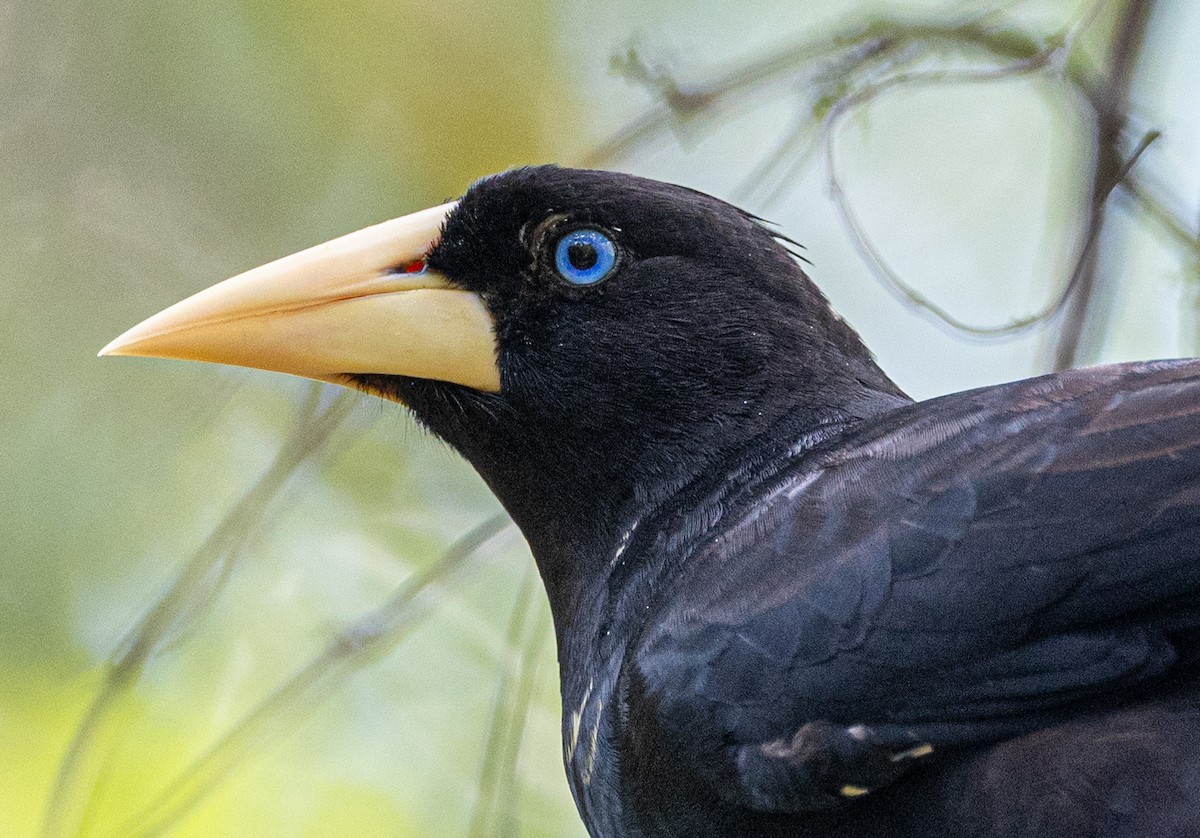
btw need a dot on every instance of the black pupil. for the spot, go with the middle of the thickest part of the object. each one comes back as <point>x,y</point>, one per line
<point>582,256</point>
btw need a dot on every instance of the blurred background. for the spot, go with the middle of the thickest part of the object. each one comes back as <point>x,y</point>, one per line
<point>235,603</point>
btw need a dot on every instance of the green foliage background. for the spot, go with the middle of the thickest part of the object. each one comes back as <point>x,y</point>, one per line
<point>148,149</point>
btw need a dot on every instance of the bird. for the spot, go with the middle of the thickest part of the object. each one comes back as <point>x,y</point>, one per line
<point>788,599</point>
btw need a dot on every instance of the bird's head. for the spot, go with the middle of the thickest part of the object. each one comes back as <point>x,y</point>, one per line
<point>588,340</point>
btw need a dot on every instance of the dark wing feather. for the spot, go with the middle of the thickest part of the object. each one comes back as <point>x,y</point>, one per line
<point>956,571</point>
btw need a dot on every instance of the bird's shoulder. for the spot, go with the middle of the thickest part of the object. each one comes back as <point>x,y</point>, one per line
<point>1010,475</point>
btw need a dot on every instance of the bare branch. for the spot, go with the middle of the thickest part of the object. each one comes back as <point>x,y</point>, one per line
<point>1111,102</point>
<point>800,65</point>
<point>870,254</point>
<point>849,71</point>
<point>357,646</point>
<point>185,600</point>
<point>494,812</point>
<point>1156,209</point>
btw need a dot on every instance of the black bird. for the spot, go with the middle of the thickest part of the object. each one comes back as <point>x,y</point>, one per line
<point>788,600</point>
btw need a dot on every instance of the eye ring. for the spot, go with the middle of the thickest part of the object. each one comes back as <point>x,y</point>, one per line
<point>585,256</point>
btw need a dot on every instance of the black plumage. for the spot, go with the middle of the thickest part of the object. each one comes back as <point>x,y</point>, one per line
<point>790,601</point>
<point>787,600</point>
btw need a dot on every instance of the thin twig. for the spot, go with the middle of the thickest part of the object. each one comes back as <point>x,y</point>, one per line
<point>852,56</point>
<point>870,254</point>
<point>198,582</point>
<point>786,68</point>
<point>494,806</point>
<point>527,678</point>
<point>360,644</point>
<point>1155,208</point>
<point>1111,102</point>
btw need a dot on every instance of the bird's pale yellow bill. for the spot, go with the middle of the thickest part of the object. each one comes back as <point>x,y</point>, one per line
<point>346,306</point>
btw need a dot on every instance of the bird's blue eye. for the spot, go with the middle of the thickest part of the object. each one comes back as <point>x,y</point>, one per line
<point>584,257</point>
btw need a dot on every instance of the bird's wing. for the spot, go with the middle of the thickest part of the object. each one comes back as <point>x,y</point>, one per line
<point>962,570</point>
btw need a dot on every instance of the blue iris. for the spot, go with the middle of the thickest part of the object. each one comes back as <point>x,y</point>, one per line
<point>584,257</point>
